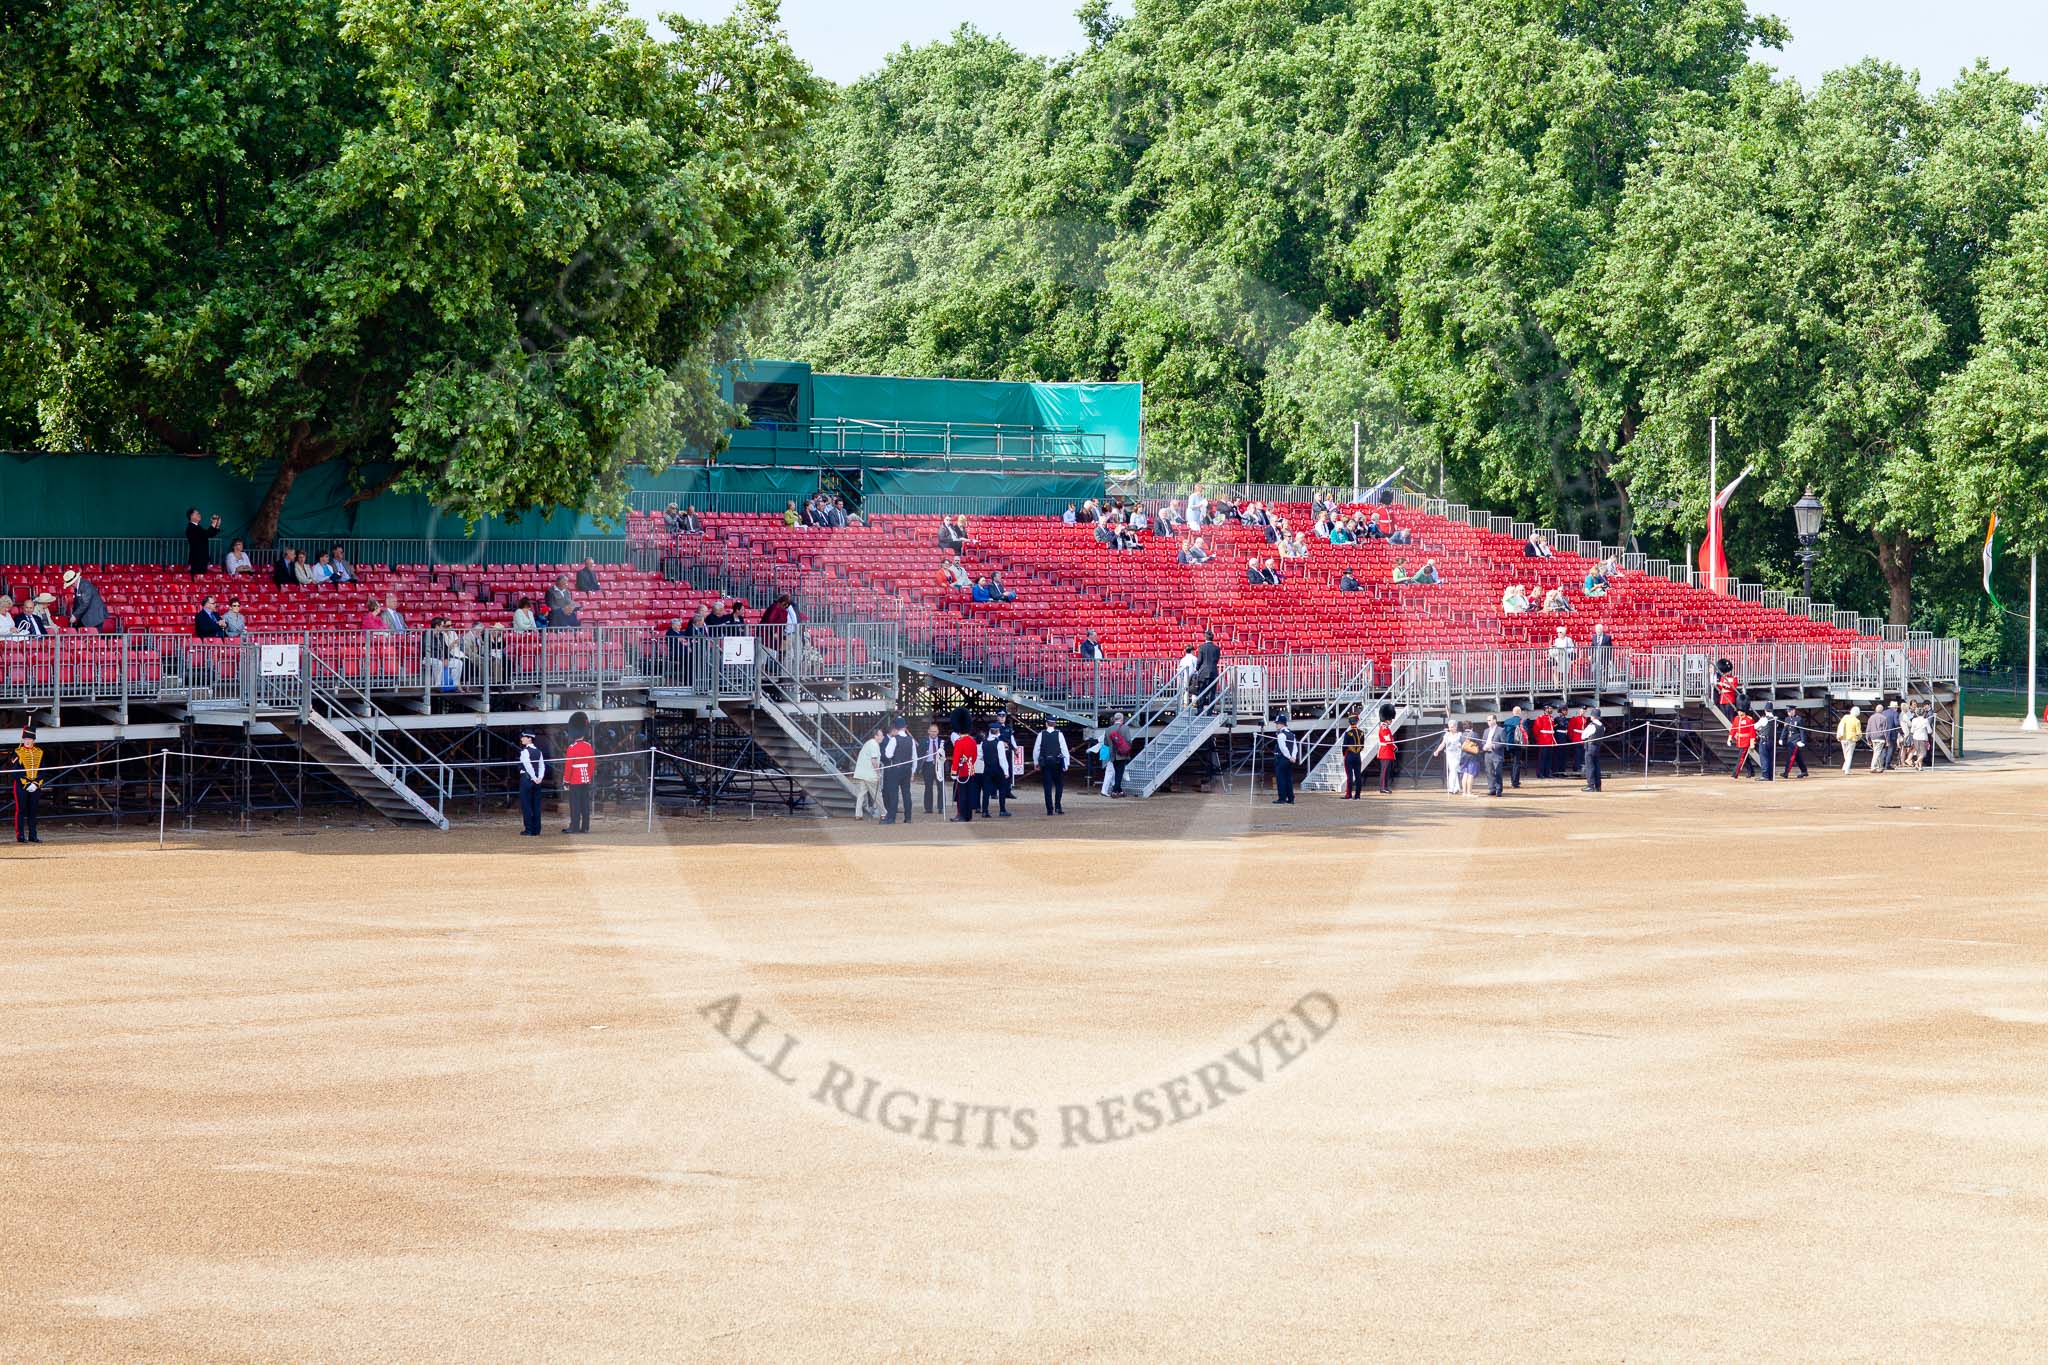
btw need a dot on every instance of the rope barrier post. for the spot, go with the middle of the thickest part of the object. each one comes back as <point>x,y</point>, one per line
<point>163,794</point>
<point>651,752</point>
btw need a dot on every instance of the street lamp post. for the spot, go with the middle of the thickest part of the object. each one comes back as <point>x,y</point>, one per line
<point>1806,515</point>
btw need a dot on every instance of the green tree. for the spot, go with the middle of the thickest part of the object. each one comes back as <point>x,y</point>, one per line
<point>1990,419</point>
<point>1808,270</point>
<point>486,249</point>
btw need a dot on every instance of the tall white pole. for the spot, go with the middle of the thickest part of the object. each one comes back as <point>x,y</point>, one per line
<point>2033,720</point>
<point>1354,459</point>
<point>1247,464</point>
<point>1713,490</point>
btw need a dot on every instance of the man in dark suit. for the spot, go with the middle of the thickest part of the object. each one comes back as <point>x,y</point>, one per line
<point>199,540</point>
<point>1208,659</point>
<point>88,608</point>
<point>934,764</point>
<point>586,577</point>
<point>206,622</point>
<point>899,760</point>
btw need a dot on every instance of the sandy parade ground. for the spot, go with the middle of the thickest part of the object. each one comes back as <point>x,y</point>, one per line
<point>1690,1068</point>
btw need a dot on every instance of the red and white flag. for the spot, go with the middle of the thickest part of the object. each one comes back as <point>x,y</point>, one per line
<point>1713,550</point>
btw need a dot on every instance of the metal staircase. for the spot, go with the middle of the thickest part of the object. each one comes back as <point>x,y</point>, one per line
<point>807,739</point>
<point>344,731</point>
<point>1403,691</point>
<point>1190,728</point>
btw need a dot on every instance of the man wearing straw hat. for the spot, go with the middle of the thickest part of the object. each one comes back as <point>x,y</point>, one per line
<point>88,608</point>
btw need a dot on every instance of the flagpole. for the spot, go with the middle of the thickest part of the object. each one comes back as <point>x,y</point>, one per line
<point>1713,492</point>
<point>2033,720</point>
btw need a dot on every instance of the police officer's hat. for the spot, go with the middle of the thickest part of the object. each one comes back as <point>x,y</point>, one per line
<point>526,734</point>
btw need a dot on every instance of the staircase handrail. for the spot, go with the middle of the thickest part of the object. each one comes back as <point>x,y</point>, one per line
<point>374,722</point>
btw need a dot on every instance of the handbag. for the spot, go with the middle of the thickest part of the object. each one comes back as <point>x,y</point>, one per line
<point>1470,746</point>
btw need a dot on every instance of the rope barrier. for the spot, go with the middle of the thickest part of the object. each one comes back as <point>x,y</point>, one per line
<point>1410,738</point>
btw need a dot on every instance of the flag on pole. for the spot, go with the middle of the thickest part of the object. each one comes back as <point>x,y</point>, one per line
<point>1993,544</point>
<point>1383,491</point>
<point>1713,550</point>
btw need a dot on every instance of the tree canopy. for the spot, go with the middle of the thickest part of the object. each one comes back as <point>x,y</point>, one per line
<point>493,249</point>
<point>486,249</point>
<point>1536,241</point>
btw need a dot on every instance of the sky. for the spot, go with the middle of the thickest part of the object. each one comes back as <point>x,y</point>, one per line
<point>845,39</point>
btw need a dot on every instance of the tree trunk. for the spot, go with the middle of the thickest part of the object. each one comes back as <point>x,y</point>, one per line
<point>300,455</point>
<point>1895,560</point>
<point>263,528</point>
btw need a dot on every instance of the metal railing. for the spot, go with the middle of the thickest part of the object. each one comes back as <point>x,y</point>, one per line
<point>885,441</point>
<point>270,672</point>
<point>332,694</point>
<point>58,552</point>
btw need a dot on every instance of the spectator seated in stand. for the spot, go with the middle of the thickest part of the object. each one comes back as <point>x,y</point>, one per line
<point>522,616</point>
<point>1401,574</point>
<point>36,623</point>
<point>206,622</point>
<point>1537,547</point>
<point>791,518</point>
<point>284,572</point>
<point>1253,574</point>
<point>337,560</point>
<point>1348,583</point>
<point>562,610</point>
<point>1514,600</point>
<point>1595,584</point>
<point>323,568</point>
<point>1271,571</point>
<point>373,615</point>
<point>237,560</point>
<point>997,591</point>
<point>1090,647</point>
<point>953,574</point>
<point>980,590</point>
<point>1400,535</point>
<point>10,629</point>
<point>1555,600</point>
<point>1427,574</point>
<point>586,577</point>
<point>233,624</point>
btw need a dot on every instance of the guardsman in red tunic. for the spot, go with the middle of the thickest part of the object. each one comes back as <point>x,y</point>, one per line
<point>966,784</point>
<point>1726,688</point>
<point>1742,736</point>
<point>579,769</point>
<point>1575,734</point>
<point>1387,752</point>
<point>1545,726</point>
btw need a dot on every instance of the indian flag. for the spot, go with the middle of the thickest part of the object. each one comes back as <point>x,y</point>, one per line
<point>1993,543</point>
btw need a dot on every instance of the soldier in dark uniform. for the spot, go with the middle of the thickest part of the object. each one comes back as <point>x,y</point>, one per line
<point>1354,760</point>
<point>28,786</point>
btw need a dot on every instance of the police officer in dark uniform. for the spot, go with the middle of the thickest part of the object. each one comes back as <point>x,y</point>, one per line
<point>533,772</point>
